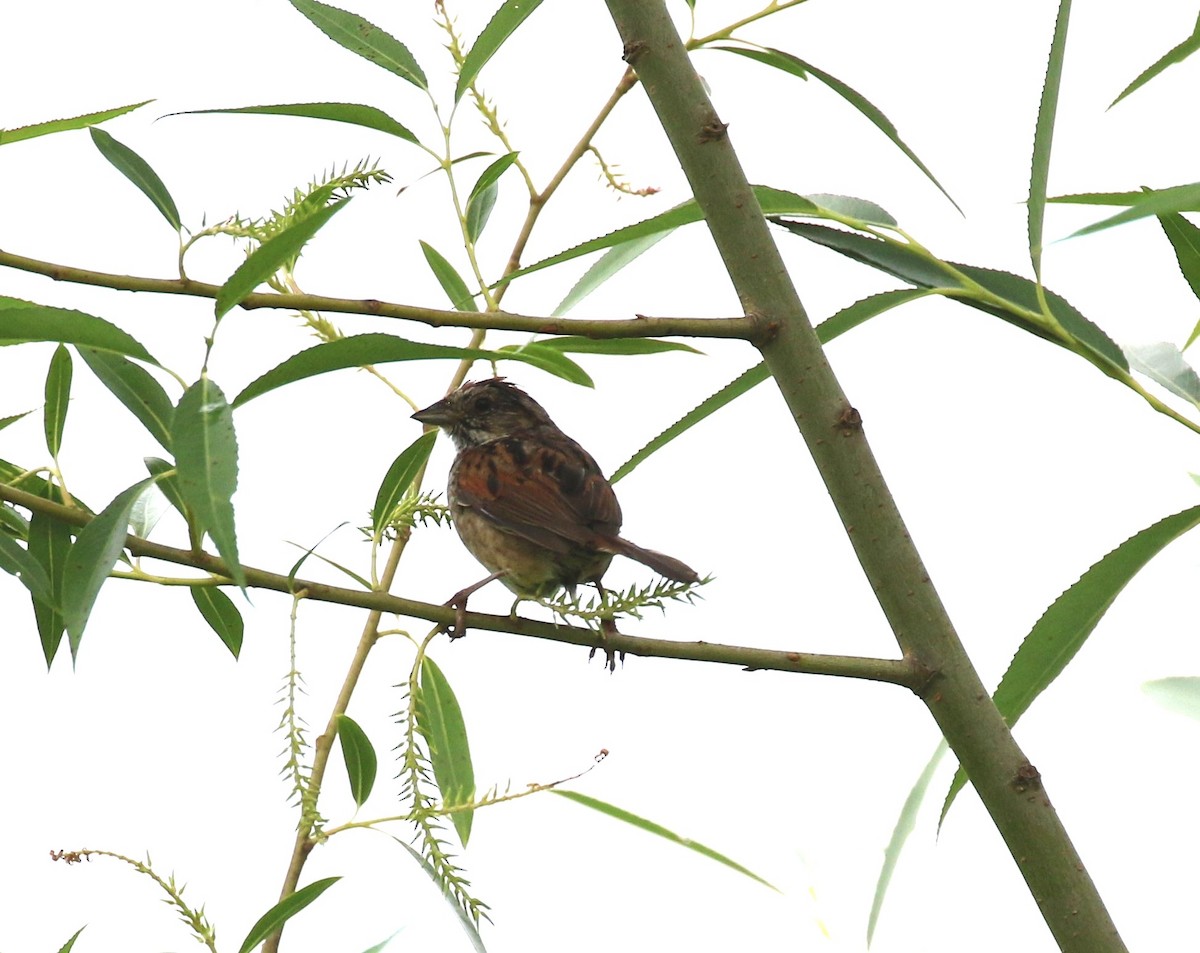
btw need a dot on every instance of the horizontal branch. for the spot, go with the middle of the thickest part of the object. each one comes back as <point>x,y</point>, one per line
<point>637,327</point>
<point>895,671</point>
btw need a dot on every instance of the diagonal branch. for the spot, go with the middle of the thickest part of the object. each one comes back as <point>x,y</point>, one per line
<point>636,327</point>
<point>905,672</point>
<point>1009,786</point>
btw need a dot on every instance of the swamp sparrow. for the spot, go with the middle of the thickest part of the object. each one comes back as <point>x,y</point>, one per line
<point>529,502</point>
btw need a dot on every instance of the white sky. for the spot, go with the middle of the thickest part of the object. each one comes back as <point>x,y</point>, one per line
<point>1015,464</point>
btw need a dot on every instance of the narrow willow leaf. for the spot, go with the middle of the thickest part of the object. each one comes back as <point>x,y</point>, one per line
<point>1043,137</point>
<point>905,824</point>
<point>58,396</point>
<point>440,720</point>
<point>363,349</point>
<point>798,67</point>
<point>1019,303</point>
<point>270,256</point>
<point>12,522</point>
<point>609,264</point>
<point>399,478</point>
<point>66,947</point>
<point>451,281</point>
<point>1064,627</point>
<point>136,388</point>
<point>34,130</point>
<point>363,37</point>
<point>22,321</point>
<point>772,201</point>
<point>482,199</point>
<point>92,558</point>
<point>464,918</point>
<point>549,359</point>
<point>1179,198</point>
<point>864,309</point>
<point>659,831</point>
<point>355,114</point>
<point>1177,54</point>
<point>623,346</point>
<point>283,911</point>
<point>138,171</point>
<point>147,511</point>
<point>1180,694</point>
<point>169,485</point>
<point>13,418</point>
<point>1185,239</point>
<point>827,330</point>
<point>511,15</point>
<point>206,457</point>
<point>1163,362</point>
<point>359,755</point>
<point>727,394</point>
<point>380,947</point>
<point>50,545</point>
<point>221,615</point>
<point>18,561</point>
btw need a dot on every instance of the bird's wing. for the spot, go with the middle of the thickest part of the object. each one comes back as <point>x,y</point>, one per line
<point>546,489</point>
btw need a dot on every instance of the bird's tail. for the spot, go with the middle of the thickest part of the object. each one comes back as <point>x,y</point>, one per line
<point>662,564</point>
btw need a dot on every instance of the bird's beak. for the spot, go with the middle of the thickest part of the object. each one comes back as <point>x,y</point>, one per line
<point>437,415</point>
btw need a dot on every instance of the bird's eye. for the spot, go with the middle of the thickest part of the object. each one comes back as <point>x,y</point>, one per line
<point>483,405</point>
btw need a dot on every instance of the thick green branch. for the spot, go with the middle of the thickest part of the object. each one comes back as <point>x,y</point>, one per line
<point>895,671</point>
<point>636,327</point>
<point>1007,783</point>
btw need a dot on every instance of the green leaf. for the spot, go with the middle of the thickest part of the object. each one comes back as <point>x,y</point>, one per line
<point>1180,694</point>
<point>483,196</point>
<point>18,561</point>
<point>905,824</point>
<point>1065,626</point>
<point>651,828</point>
<point>363,37</point>
<point>512,14</point>
<point>609,264</point>
<point>64,125</point>
<point>827,330</point>
<point>400,477</point>
<point>456,289</point>
<point>147,511</point>
<point>772,201</point>
<point>1018,304</point>
<point>727,394</point>
<point>50,545</point>
<point>464,918</point>
<point>1177,54</point>
<point>12,522</point>
<point>66,947</point>
<point>169,485</point>
<point>221,615</point>
<point>270,256</point>
<point>58,396</point>
<point>13,418</point>
<point>622,346</point>
<point>138,171</point>
<point>206,457</point>
<point>363,349</point>
<point>383,945</point>
<point>355,114</point>
<point>283,911</point>
<point>550,360</point>
<point>441,722</point>
<point>1043,137</point>
<point>1185,239</point>
<point>1163,362</point>
<point>359,755</point>
<point>136,388</point>
<point>92,558</point>
<point>1178,198</point>
<point>23,321</point>
<point>798,67</point>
